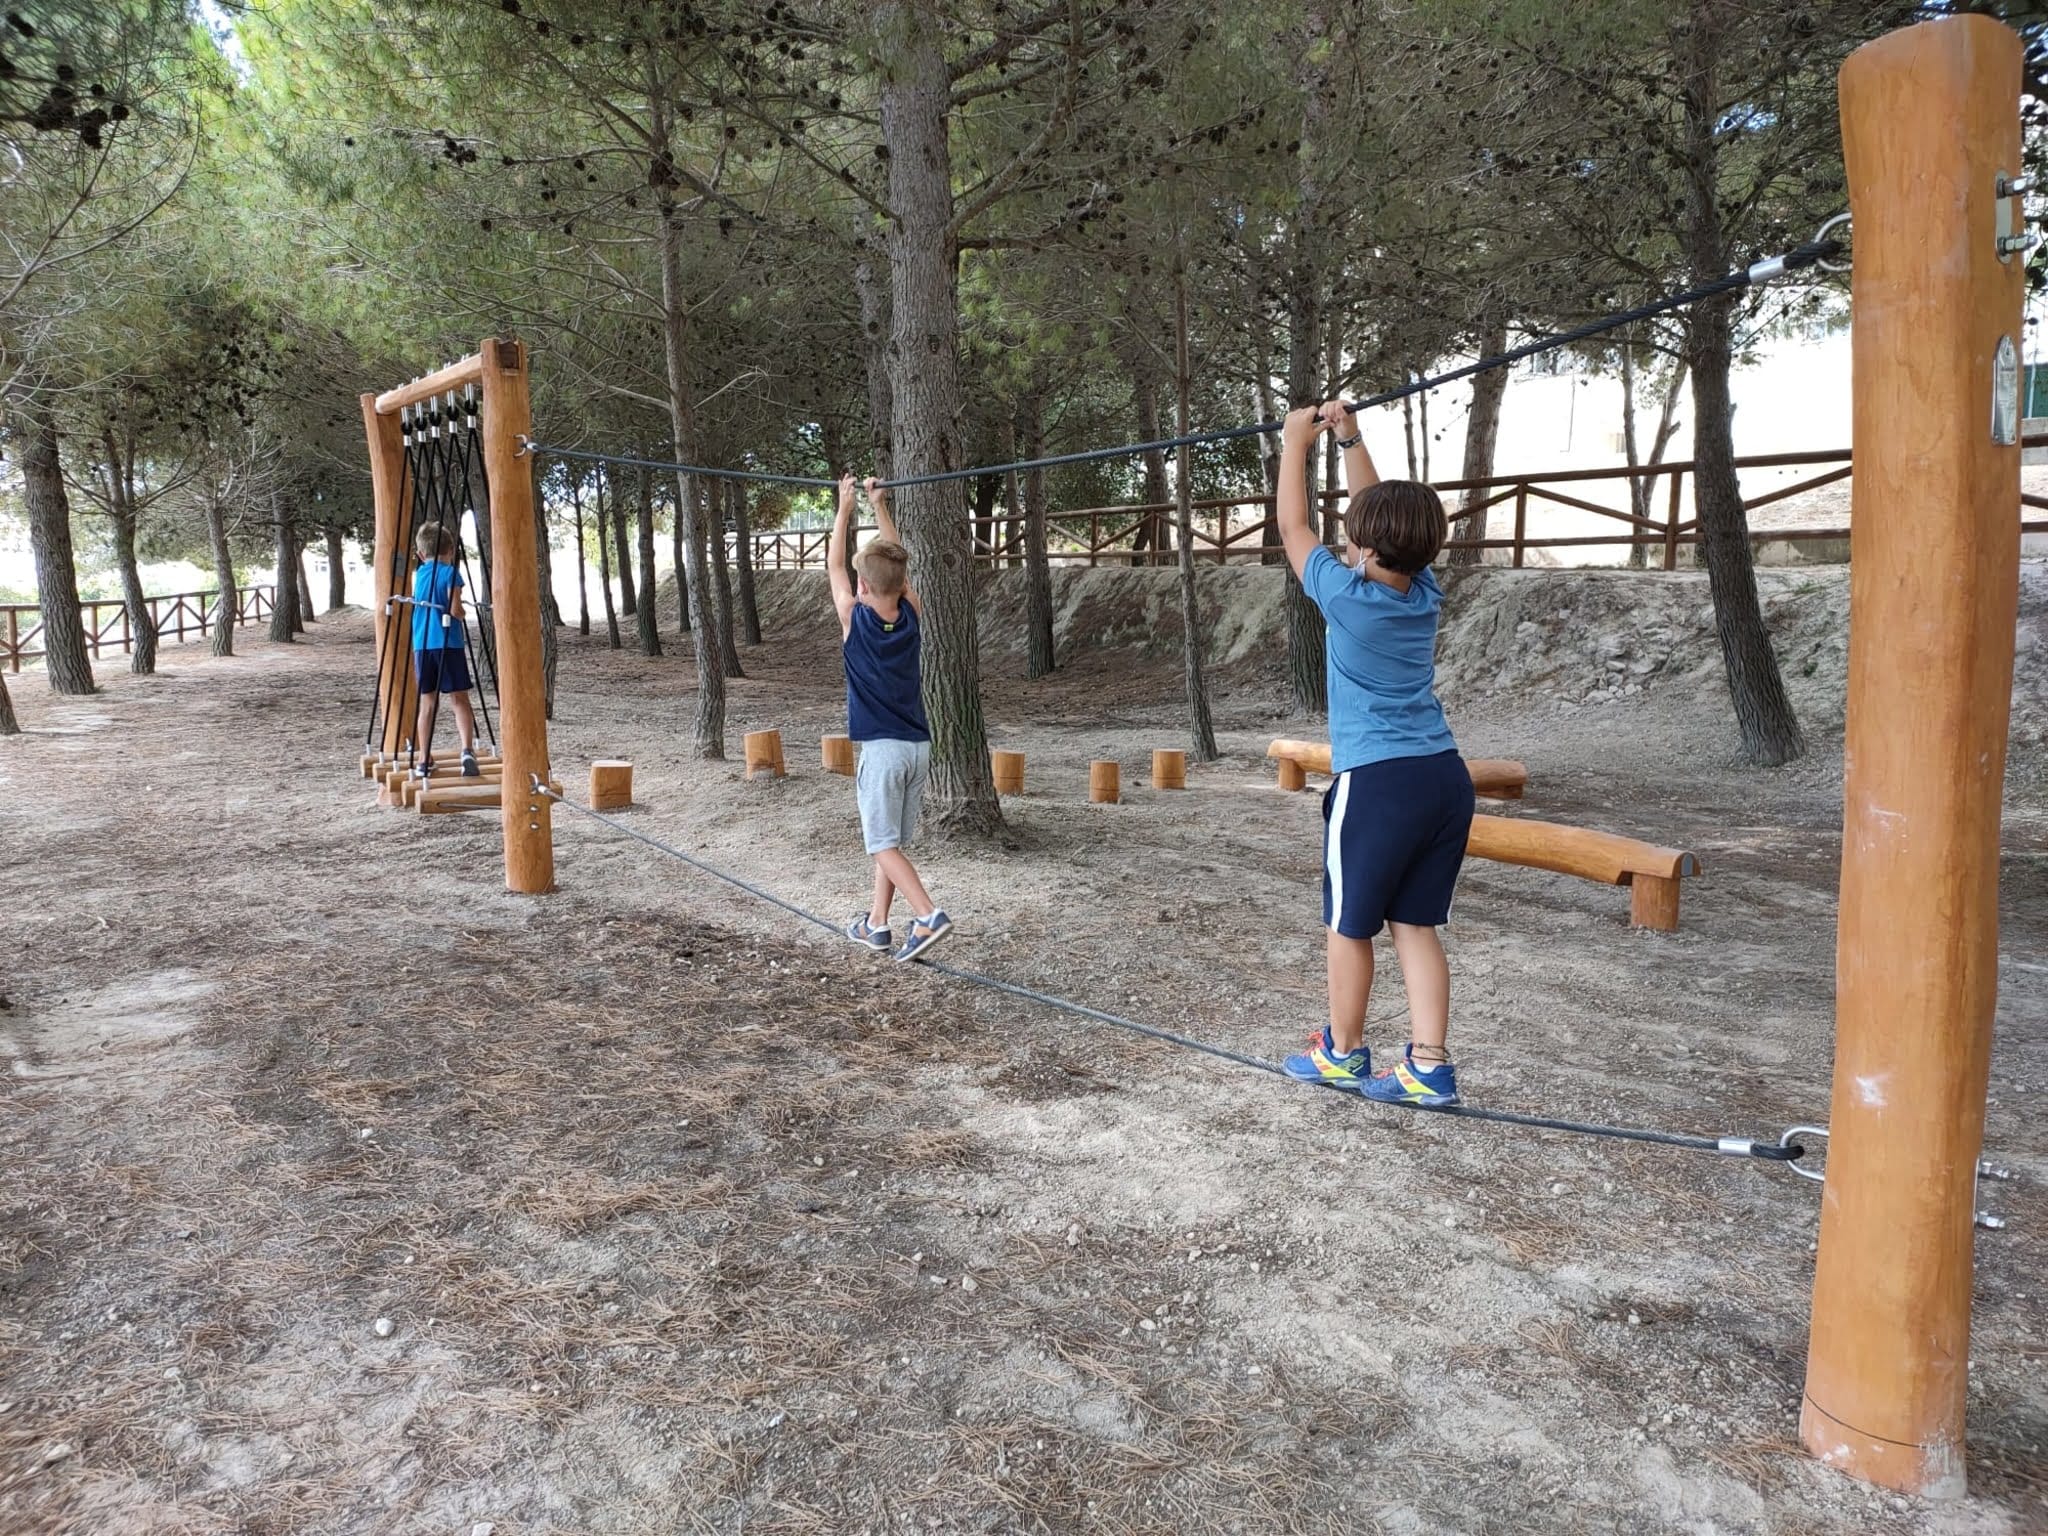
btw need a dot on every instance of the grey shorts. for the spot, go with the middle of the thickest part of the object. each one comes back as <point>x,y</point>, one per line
<point>889,783</point>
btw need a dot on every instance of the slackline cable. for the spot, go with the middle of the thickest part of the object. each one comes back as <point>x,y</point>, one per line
<point>1785,1150</point>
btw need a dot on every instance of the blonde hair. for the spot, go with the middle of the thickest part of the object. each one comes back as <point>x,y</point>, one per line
<point>433,541</point>
<point>884,565</point>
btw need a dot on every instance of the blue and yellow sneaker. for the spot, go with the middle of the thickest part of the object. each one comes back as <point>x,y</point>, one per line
<point>1431,1087</point>
<point>1323,1063</point>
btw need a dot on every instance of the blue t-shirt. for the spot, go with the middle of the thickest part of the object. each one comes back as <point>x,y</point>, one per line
<point>436,582</point>
<point>884,693</point>
<point>1380,660</point>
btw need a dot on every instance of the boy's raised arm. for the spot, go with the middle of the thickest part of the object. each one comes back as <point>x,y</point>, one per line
<point>1360,473</point>
<point>837,552</point>
<point>885,525</point>
<point>1297,533</point>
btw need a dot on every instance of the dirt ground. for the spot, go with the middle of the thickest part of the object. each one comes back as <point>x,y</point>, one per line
<point>687,1218</point>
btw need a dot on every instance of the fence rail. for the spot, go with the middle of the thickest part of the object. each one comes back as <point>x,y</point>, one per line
<point>107,626</point>
<point>1238,528</point>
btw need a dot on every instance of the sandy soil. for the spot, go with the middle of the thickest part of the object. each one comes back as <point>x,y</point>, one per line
<point>686,1218</point>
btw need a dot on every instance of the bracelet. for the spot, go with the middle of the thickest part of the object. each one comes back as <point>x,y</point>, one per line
<point>1351,442</point>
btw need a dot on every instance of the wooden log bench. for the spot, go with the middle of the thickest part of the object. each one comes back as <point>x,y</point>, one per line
<point>1651,873</point>
<point>1492,778</point>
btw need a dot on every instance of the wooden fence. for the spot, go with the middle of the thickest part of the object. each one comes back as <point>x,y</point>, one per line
<point>107,628</point>
<point>1235,528</point>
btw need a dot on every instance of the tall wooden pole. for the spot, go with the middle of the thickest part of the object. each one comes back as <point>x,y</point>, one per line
<point>1930,123</point>
<point>516,617</point>
<point>392,498</point>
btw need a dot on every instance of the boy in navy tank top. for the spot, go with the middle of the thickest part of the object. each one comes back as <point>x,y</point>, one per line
<point>881,637</point>
<point>1399,811</point>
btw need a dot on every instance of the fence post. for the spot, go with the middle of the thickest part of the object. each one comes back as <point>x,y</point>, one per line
<point>1671,521</point>
<point>1521,517</point>
<point>14,639</point>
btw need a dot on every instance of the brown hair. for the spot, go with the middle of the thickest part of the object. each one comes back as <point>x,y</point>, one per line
<point>884,565</point>
<point>433,541</point>
<point>1400,521</point>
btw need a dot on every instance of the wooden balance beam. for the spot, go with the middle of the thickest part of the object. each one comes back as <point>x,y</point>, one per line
<point>1492,778</point>
<point>464,795</point>
<point>1651,873</point>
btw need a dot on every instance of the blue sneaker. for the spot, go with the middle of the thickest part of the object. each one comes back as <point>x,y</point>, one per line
<point>865,934</point>
<point>924,933</point>
<point>1323,1063</point>
<point>1431,1087</point>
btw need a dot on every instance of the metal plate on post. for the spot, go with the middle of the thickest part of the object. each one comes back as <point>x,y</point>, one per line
<point>2005,393</point>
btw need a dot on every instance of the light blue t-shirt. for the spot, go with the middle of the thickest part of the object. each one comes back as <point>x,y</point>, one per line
<point>1380,661</point>
<point>436,582</point>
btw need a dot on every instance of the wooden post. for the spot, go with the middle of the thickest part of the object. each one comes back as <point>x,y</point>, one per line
<point>1930,122</point>
<point>1292,775</point>
<point>398,689</point>
<point>764,753</point>
<point>528,817</point>
<point>1169,769</point>
<point>1671,522</point>
<point>1653,903</point>
<point>837,754</point>
<point>1007,769</point>
<point>1521,517</point>
<point>611,784</point>
<point>1102,783</point>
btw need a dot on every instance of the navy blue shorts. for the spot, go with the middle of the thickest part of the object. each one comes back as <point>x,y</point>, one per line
<point>442,671</point>
<point>1393,837</point>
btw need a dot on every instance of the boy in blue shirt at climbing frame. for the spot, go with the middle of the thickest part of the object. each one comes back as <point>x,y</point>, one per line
<point>1399,810</point>
<point>438,657</point>
<point>881,638</point>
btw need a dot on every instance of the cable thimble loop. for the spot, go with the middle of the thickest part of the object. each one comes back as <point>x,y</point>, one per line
<point>1839,220</point>
<point>1819,1176</point>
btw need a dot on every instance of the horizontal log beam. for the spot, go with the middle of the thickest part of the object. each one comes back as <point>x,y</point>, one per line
<point>1495,778</point>
<point>1579,851</point>
<point>469,371</point>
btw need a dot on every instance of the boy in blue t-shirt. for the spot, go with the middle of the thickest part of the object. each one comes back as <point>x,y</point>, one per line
<point>881,637</point>
<point>1399,811</point>
<point>438,657</point>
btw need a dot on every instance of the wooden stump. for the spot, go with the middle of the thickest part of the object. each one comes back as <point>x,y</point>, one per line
<point>1102,783</point>
<point>1292,774</point>
<point>764,753</point>
<point>837,753</point>
<point>611,784</point>
<point>1653,903</point>
<point>1169,769</point>
<point>1008,771</point>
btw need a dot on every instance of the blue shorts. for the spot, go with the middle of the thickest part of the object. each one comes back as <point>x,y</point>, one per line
<point>442,671</point>
<point>1393,838</point>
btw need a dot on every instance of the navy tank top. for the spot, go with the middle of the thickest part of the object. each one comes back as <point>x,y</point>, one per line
<point>884,698</point>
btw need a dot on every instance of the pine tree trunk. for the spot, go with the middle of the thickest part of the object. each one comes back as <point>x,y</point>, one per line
<point>604,560</point>
<point>228,601</point>
<point>648,617</point>
<point>1041,659</point>
<point>582,559</point>
<point>284,593</point>
<point>1763,710</point>
<point>678,531</point>
<point>708,739</point>
<point>1638,485</point>
<point>337,569</point>
<point>721,582</point>
<point>1482,434</point>
<point>304,613</point>
<point>1201,727</point>
<point>872,288</point>
<point>1145,387</point>
<point>141,622</point>
<point>49,527</point>
<point>1271,550</point>
<point>9,725</point>
<point>622,541</point>
<point>550,605</point>
<point>1305,639</point>
<point>926,394</point>
<point>743,547</point>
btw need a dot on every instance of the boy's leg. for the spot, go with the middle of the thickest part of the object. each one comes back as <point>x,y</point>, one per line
<point>894,871</point>
<point>885,896</point>
<point>465,719</point>
<point>423,727</point>
<point>1427,975</point>
<point>1349,963</point>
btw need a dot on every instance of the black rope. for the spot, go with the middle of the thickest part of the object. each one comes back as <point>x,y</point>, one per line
<point>1720,1145</point>
<point>1807,255</point>
<point>458,464</point>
